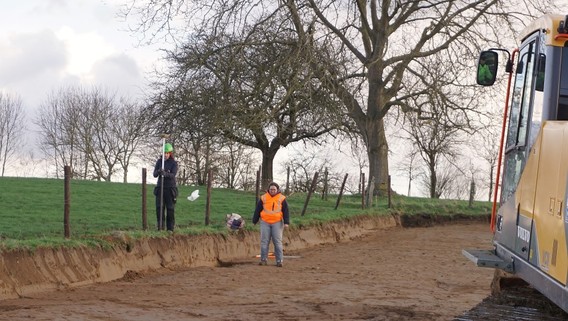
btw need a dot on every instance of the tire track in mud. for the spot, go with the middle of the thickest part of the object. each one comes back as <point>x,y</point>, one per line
<point>515,303</point>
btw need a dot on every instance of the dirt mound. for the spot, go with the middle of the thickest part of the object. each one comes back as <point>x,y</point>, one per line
<point>427,220</point>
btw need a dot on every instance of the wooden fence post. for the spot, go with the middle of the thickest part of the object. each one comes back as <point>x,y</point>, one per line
<point>257,190</point>
<point>370,192</point>
<point>287,181</point>
<point>324,192</point>
<point>362,190</point>
<point>471,193</point>
<point>67,201</point>
<point>144,211</point>
<point>310,191</point>
<point>208,202</point>
<point>389,193</point>
<point>341,191</point>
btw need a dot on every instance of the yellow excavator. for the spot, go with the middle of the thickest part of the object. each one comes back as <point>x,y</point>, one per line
<point>530,226</point>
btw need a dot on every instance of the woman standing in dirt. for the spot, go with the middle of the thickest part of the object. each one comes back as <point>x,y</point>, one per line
<point>167,179</point>
<point>272,211</point>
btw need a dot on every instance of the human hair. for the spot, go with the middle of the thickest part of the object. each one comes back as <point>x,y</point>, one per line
<point>273,184</point>
<point>171,156</point>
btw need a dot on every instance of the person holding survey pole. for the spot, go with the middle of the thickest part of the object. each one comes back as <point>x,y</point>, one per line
<point>166,190</point>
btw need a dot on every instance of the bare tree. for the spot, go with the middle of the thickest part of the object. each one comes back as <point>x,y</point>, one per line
<point>302,169</point>
<point>132,130</point>
<point>100,141</point>
<point>57,119</point>
<point>409,166</point>
<point>11,127</point>
<point>251,96</point>
<point>436,131</point>
<point>448,180</point>
<point>29,164</point>
<point>177,113</point>
<point>90,130</point>
<point>236,160</point>
<point>489,151</point>
<point>304,163</point>
<point>435,138</point>
<point>197,154</point>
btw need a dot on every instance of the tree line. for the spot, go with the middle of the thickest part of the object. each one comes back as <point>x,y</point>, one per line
<point>268,75</point>
<point>101,136</point>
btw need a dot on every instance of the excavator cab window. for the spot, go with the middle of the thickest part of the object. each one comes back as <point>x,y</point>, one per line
<point>562,111</point>
<point>541,66</point>
<point>520,115</point>
<point>562,108</point>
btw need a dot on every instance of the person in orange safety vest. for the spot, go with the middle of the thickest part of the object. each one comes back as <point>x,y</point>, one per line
<point>272,212</point>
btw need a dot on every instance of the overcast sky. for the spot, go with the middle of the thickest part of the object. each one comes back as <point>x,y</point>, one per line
<point>46,45</point>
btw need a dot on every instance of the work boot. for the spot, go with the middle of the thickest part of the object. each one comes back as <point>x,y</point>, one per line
<point>262,262</point>
<point>279,264</point>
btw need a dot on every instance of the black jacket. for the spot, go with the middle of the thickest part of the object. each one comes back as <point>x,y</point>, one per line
<point>170,172</point>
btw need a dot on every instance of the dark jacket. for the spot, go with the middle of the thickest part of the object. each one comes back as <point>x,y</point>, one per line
<point>260,207</point>
<point>170,172</point>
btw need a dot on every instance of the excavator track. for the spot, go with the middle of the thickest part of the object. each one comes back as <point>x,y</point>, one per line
<point>515,303</point>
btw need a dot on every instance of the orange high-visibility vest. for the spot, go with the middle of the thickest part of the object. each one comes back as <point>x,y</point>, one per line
<point>272,208</point>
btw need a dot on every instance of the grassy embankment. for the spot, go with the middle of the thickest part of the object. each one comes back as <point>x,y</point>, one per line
<point>31,210</point>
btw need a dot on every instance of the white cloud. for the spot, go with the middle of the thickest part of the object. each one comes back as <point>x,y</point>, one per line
<point>119,71</point>
<point>29,55</point>
<point>85,49</point>
<point>49,44</point>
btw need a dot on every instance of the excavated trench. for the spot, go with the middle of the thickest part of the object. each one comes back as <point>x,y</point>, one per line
<point>24,273</point>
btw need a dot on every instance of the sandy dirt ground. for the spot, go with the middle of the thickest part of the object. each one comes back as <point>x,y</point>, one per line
<point>393,274</point>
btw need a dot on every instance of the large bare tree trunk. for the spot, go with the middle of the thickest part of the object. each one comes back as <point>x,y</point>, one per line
<point>377,148</point>
<point>267,171</point>
<point>374,133</point>
<point>433,180</point>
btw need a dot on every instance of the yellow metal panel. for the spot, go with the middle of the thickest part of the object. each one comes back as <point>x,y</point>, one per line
<point>560,269</point>
<point>549,199</point>
<point>525,194</point>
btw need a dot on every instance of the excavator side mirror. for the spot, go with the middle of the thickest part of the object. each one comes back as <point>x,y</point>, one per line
<point>487,68</point>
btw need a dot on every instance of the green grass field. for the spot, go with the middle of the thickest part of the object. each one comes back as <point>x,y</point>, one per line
<point>31,210</point>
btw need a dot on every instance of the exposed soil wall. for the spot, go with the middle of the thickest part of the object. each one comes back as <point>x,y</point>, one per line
<point>23,272</point>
